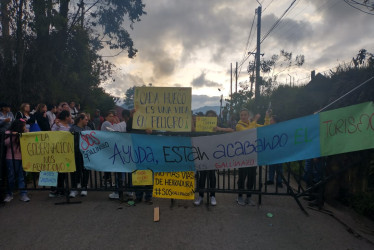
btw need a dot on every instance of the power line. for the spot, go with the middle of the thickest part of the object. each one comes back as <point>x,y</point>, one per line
<point>293,26</point>
<point>267,6</point>
<point>346,1</point>
<point>271,29</point>
<point>277,22</point>
<point>245,55</point>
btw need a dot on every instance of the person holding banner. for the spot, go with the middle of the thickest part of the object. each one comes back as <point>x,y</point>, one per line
<point>110,123</point>
<point>14,160</point>
<point>81,174</point>
<point>138,194</point>
<point>246,122</point>
<point>210,174</point>
<point>41,117</point>
<point>63,124</point>
<point>275,168</point>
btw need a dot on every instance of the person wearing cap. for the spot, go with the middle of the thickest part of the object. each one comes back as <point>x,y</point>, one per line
<point>6,117</point>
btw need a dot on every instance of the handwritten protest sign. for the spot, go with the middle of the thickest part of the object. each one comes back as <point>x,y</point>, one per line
<point>164,153</point>
<point>123,152</point>
<point>142,178</point>
<point>205,124</point>
<point>48,179</point>
<point>174,185</point>
<point>347,129</point>
<point>48,151</point>
<point>287,141</point>
<point>167,109</point>
<point>332,132</point>
<point>227,151</point>
<point>108,151</point>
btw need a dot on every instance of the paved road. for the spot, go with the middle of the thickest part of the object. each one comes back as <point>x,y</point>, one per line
<point>98,223</point>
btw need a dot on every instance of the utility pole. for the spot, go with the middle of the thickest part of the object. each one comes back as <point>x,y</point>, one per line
<point>236,78</point>
<point>258,66</point>
<point>230,87</point>
<point>231,80</point>
<point>82,15</point>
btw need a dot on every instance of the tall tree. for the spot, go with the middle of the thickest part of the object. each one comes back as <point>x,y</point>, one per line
<point>50,49</point>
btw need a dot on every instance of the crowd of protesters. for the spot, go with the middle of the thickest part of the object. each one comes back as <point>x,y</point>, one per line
<point>69,117</point>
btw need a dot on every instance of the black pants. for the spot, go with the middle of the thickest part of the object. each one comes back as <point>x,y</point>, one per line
<point>80,176</point>
<point>211,174</point>
<point>60,184</point>
<point>250,175</point>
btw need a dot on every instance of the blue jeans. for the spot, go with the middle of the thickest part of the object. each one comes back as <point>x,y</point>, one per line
<point>276,168</point>
<point>12,171</point>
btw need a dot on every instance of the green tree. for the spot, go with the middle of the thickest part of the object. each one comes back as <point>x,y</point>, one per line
<point>129,97</point>
<point>50,49</point>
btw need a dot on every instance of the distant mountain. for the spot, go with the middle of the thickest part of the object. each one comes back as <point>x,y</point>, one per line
<point>123,105</point>
<point>206,108</point>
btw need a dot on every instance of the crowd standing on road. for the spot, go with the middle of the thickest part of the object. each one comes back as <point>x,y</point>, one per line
<point>69,117</point>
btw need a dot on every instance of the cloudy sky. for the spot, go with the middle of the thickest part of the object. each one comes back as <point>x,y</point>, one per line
<point>192,43</point>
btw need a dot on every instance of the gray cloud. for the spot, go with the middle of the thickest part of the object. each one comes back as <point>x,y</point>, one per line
<point>204,100</point>
<point>201,81</point>
<point>122,83</point>
<point>289,31</point>
<point>326,32</point>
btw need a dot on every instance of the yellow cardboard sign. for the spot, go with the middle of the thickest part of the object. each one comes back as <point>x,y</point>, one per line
<point>161,108</point>
<point>48,151</point>
<point>174,185</point>
<point>142,178</point>
<point>205,124</point>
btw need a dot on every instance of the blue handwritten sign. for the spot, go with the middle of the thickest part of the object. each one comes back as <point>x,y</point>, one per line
<point>164,153</point>
<point>108,151</point>
<point>48,178</point>
<point>288,141</point>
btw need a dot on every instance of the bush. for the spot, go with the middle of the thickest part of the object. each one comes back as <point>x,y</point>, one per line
<point>363,203</point>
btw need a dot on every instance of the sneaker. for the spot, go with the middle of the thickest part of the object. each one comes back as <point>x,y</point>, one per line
<point>250,202</point>
<point>8,198</point>
<point>73,194</point>
<point>213,201</point>
<point>240,201</point>
<point>269,183</point>
<point>114,196</point>
<point>24,198</point>
<point>198,201</point>
<point>84,193</point>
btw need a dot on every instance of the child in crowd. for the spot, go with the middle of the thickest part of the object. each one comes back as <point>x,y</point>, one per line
<point>14,160</point>
<point>248,122</point>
